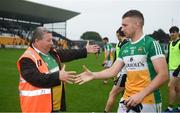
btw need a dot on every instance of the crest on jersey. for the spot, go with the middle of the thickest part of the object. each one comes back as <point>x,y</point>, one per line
<point>140,50</point>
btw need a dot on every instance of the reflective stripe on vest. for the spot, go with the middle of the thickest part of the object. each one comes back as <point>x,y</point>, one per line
<point>35,92</point>
<point>22,80</point>
<point>54,69</point>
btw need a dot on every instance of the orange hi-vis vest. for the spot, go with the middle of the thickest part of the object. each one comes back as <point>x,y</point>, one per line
<point>32,98</point>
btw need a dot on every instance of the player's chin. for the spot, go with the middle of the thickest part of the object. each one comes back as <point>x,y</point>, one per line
<point>48,49</point>
<point>126,34</point>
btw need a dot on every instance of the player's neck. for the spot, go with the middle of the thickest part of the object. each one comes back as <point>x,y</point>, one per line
<point>137,36</point>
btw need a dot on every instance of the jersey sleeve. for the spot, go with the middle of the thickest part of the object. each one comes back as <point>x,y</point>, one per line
<point>155,50</point>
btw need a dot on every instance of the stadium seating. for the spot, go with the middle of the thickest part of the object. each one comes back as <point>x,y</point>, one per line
<point>8,40</point>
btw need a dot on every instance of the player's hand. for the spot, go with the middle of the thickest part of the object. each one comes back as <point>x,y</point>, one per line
<point>67,76</point>
<point>134,99</point>
<point>86,76</point>
<point>92,48</point>
<point>136,108</point>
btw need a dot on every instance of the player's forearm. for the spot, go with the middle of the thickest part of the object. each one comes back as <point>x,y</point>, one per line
<point>110,103</point>
<point>107,73</point>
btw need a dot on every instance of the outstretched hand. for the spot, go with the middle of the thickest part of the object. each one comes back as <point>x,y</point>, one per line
<point>86,76</point>
<point>92,48</point>
<point>67,76</point>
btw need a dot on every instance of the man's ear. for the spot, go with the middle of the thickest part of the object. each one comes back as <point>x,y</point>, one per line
<point>36,40</point>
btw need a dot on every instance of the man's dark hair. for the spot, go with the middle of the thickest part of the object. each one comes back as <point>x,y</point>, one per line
<point>120,32</point>
<point>106,38</point>
<point>38,33</point>
<point>174,29</point>
<point>134,13</point>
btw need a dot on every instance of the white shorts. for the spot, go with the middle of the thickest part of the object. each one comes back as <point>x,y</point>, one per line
<point>108,64</point>
<point>171,74</point>
<point>147,108</point>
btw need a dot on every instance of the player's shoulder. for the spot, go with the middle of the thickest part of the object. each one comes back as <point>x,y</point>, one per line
<point>125,45</point>
<point>110,44</point>
<point>149,40</point>
<point>178,40</point>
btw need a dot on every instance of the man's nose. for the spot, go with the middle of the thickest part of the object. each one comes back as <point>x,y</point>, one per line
<point>51,42</point>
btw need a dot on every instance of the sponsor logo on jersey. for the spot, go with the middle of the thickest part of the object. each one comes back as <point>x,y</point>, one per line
<point>135,64</point>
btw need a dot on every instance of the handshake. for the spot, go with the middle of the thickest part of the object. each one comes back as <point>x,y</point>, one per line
<point>71,77</point>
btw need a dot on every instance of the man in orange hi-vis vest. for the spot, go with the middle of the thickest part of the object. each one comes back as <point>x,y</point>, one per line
<point>41,85</point>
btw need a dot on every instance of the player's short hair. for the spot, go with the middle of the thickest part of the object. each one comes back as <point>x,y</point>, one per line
<point>120,32</point>
<point>136,14</point>
<point>106,38</point>
<point>174,29</point>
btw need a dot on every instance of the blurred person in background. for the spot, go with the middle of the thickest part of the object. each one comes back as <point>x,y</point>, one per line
<point>173,60</point>
<point>119,83</point>
<point>108,55</point>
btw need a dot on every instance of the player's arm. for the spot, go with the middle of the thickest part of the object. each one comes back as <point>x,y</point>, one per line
<point>107,73</point>
<point>112,97</point>
<point>31,74</point>
<point>161,77</point>
<point>110,72</point>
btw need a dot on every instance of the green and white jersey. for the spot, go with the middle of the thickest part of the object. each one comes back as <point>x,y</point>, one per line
<point>137,57</point>
<point>50,61</point>
<point>56,90</point>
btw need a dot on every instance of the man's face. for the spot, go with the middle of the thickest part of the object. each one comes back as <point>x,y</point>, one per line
<point>46,43</point>
<point>105,41</point>
<point>119,37</point>
<point>174,35</point>
<point>129,26</point>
